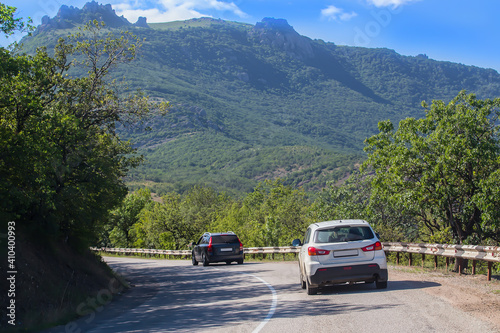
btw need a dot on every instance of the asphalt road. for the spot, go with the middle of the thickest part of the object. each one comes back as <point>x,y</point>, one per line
<point>174,296</point>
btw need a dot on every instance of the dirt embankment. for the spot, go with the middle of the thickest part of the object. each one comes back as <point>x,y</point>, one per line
<point>52,282</point>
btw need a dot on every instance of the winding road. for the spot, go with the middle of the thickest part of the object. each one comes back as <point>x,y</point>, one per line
<point>174,296</point>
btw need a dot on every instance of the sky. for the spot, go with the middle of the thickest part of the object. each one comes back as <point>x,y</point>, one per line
<point>461,31</point>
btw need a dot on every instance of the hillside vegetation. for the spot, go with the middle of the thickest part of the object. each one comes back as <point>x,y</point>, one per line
<point>254,102</point>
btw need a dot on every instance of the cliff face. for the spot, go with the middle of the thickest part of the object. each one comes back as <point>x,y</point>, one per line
<point>68,17</point>
<point>278,33</point>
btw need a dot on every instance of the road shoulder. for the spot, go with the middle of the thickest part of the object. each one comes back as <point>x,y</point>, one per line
<point>472,294</point>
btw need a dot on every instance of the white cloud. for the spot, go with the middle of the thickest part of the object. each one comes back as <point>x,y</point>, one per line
<point>387,3</point>
<point>336,14</point>
<point>173,10</point>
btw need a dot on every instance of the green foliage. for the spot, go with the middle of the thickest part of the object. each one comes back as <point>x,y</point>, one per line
<point>61,159</point>
<point>354,199</point>
<point>414,180</point>
<point>8,23</point>
<point>124,217</point>
<point>272,215</point>
<point>440,168</point>
<point>433,179</point>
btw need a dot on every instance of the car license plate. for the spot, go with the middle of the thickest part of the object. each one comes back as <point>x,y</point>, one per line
<point>226,249</point>
<point>345,253</point>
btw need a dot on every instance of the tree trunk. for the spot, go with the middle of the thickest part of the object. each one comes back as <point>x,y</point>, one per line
<point>460,265</point>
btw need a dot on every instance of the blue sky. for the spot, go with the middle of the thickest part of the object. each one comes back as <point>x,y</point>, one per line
<point>459,31</point>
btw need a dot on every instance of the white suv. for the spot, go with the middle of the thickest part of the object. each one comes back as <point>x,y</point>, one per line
<point>338,252</point>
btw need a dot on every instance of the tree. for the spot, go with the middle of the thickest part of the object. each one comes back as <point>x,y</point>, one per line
<point>124,217</point>
<point>161,225</point>
<point>353,199</point>
<point>443,168</point>
<point>8,23</point>
<point>61,160</point>
<point>272,215</point>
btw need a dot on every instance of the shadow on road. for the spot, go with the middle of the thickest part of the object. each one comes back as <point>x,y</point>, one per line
<point>370,287</point>
<point>179,298</point>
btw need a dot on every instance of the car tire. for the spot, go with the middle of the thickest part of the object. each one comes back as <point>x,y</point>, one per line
<point>193,260</point>
<point>240,261</point>
<point>381,284</point>
<point>302,282</point>
<point>205,260</point>
<point>309,290</point>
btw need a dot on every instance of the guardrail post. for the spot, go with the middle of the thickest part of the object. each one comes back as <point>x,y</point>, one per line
<point>474,267</point>
<point>490,265</point>
<point>435,262</point>
<point>410,259</point>
<point>460,265</point>
<point>423,260</point>
<point>447,262</point>
<point>397,258</point>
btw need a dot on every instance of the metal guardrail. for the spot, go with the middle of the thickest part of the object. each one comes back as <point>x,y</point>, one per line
<point>128,251</point>
<point>490,254</point>
<point>248,250</point>
<point>472,252</point>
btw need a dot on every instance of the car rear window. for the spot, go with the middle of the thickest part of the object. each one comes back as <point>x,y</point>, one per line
<point>225,239</point>
<point>343,234</point>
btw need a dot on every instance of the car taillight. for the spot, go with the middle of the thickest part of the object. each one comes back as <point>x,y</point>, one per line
<point>374,247</point>
<point>210,247</point>
<point>241,246</point>
<point>312,251</point>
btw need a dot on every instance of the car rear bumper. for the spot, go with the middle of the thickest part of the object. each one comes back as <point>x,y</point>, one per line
<point>351,273</point>
<point>221,258</point>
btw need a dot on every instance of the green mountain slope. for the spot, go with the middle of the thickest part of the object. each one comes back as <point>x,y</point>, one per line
<point>256,102</point>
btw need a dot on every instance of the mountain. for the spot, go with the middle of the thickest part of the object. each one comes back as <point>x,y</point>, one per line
<point>69,17</point>
<point>252,102</point>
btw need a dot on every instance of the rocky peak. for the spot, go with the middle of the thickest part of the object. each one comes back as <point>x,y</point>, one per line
<point>278,33</point>
<point>269,23</point>
<point>68,17</point>
<point>141,22</point>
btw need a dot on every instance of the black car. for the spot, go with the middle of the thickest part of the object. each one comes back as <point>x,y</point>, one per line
<point>218,247</point>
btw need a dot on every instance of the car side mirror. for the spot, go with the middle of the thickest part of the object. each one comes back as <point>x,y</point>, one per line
<point>296,242</point>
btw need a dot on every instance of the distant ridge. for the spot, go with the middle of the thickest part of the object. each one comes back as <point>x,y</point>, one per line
<point>255,102</point>
<point>68,17</point>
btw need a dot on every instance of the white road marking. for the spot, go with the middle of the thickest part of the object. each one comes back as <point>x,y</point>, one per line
<point>274,303</point>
